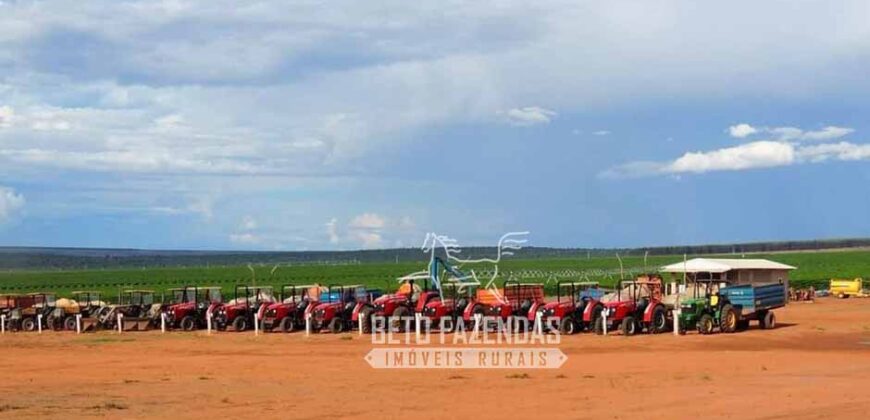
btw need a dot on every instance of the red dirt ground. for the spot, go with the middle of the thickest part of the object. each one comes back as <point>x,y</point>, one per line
<point>815,365</point>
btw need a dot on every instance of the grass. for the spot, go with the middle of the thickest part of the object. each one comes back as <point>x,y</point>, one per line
<point>813,268</point>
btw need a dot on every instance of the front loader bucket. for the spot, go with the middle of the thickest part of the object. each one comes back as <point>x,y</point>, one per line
<point>135,324</point>
<point>89,324</point>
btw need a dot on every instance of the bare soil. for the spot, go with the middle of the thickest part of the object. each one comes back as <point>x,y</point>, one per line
<point>816,364</point>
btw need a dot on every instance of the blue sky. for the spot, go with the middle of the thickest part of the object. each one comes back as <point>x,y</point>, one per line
<point>345,125</point>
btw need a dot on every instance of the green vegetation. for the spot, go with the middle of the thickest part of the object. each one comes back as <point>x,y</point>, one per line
<point>813,268</point>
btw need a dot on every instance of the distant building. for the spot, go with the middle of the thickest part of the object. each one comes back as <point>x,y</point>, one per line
<point>734,271</point>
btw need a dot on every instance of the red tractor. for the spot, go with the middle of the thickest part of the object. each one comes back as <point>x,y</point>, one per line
<point>189,306</point>
<point>396,308</point>
<point>517,301</point>
<point>446,312</point>
<point>635,306</point>
<point>336,309</point>
<point>568,309</point>
<point>288,314</point>
<point>239,314</point>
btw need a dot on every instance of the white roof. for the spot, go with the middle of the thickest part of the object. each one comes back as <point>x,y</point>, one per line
<point>721,265</point>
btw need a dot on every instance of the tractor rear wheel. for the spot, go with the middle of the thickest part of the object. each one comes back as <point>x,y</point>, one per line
<point>567,326</point>
<point>69,323</point>
<point>336,326</point>
<point>705,324</point>
<point>629,326</point>
<point>365,316</point>
<point>768,321</point>
<point>287,325</point>
<point>598,326</point>
<point>397,321</point>
<point>188,323</point>
<point>240,323</point>
<point>659,320</point>
<point>28,324</point>
<point>728,319</point>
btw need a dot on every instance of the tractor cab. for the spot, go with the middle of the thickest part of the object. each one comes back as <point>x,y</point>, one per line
<point>706,309</point>
<point>335,310</point>
<point>136,303</point>
<point>32,307</point>
<point>456,298</point>
<point>188,306</point>
<point>10,309</point>
<point>294,302</point>
<point>571,301</point>
<point>239,313</point>
<point>89,302</point>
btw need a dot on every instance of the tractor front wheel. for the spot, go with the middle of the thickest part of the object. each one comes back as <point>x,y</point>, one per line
<point>629,326</point>
<point>598,326</point>
<point>240,323</point>
<point>567,326</point>
<point>659,320</point>
<point>69,323</point>
<point>188,323</point>
<point>705,324</point>
<point>728,319</point>
<point>336,326</point>
<point>28,324</point>
<point>287,325</point>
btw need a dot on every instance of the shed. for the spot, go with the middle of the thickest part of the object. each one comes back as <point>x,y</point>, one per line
<point>734,271</point>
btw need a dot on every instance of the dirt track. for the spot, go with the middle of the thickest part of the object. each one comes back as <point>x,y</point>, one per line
<point>815,365</point>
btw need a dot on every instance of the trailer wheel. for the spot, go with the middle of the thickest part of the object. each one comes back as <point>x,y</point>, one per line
<point>705,324</point>
<point>28,324</point>
<point>768,321</point>
<point>287,324</point>
<point>629,326</point>
<point>660,320</point>
<point>240,323</point>
<point>188,323</point>
<point>567,326</point>
<point>336,326</point>
<point>728,319</point>
<point>69,323</point>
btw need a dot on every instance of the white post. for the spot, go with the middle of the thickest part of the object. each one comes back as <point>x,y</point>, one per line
<point>39,322</point>
<point>539,324</point>
<point>677,312</point>
<point>256,326</point>
<point>417,319</point>
<point>478,318</point>
<point>163,322</point>
<point>2,324</point>
<point>78,323</point>
<point>307,324</point>
<point>208,322</point>
<point>359,323</point>
<point>120,323</point>
<point>604,320</point>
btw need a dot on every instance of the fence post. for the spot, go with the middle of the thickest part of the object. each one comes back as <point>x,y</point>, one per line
<point>2,324</point>
<point>256,326</point>
<point>307,324</point>
<point>604,320</point>
<point>208,322</point>
<point>39,323</point>
<point>163,322</point>
<point>78,323</point>
<point>120,323</point>
<point>359,324</point>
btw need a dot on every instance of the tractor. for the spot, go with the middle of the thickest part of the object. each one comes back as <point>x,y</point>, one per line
<point>83,303</point>
<point>239,314</point>
<point>288,314</point>
<point>635,306</point>
<point>138,310</point>
<point>446,312</point>
<point>30,308</point>
<point>189,305</point>
<point>706,310</point>
<point>516,301</point>
<point>335,311</point>
<point>397,308</point>
<point>568,310</point>
<point>10,311</point>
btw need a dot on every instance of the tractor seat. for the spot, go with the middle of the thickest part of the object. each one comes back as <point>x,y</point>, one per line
<point>526,306</point>
<point>461,304</point>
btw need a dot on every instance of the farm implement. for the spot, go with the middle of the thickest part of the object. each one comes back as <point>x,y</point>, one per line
<point>189,306</point>
<point>294,304</point>
<point>137,310</point>
<point>239,314</point>
<point>568,309</point>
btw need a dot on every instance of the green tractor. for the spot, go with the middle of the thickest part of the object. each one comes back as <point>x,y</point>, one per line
<point>707,311</point>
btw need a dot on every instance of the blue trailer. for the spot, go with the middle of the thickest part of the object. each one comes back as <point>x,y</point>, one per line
<point>755,302</point>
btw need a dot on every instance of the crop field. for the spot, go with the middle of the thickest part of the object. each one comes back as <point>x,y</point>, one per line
<point>813,268</point>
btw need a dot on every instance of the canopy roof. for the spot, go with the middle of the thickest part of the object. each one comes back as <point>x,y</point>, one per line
<point>721,265</point>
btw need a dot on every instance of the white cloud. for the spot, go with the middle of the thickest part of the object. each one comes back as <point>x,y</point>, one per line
<point>11,204</point>
<point>601,133</point>
<point>830,132</point>
<point>529,116</point>
<point>248,223</point>
<point>246,238</point>
<point>742,130</point>
<point>367,221</point>
<point>843,151</point>
<point>332,231</point>
<point>368,239</point>
<point>760,154</point>
<point>7,115</point>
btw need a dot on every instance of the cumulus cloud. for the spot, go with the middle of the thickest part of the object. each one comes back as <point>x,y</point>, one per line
<point>369,230</point>
<point>528,116</point>
<point>11,204</point>
<point>332,231</point>
<point>760,154</point>
<point>742,130</point>
<point>367,221</point>
<point>786,133</point>
<point>246,238</point>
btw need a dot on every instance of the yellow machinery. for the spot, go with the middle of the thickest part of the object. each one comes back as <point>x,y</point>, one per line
<point>842,288</point>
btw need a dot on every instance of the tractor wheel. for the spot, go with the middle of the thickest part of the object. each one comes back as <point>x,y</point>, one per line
<point>397,321</point>
<point>287,325</point>
<point>705,324</point>
<point>240,323</point>
<point>728,319</point>
<point>336,326</point>
<point>742,325</point>
<point>841,295</point>
<point>598,326</point>
<point>768,321</point>
<point>365,314</point>
<point>28,324</point>
<point>188,323</point>
<point>629,326</point>
<point>659,320</point>
<point>52,323</point>
<point>567,326</point>
<point>69,323</point>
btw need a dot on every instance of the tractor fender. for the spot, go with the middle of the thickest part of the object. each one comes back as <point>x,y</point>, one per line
<point>648,312</point>
<point>357,309</point>
<point>534,310</point>
<point>261,312</point>
<point>590,309</point>
<point>468,313</point>
<point>212,308</point>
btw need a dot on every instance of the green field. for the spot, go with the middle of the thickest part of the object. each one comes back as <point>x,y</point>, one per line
<point>813,268</point>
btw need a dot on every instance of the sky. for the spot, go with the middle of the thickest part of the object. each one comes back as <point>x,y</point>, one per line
<point>319,125</point>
